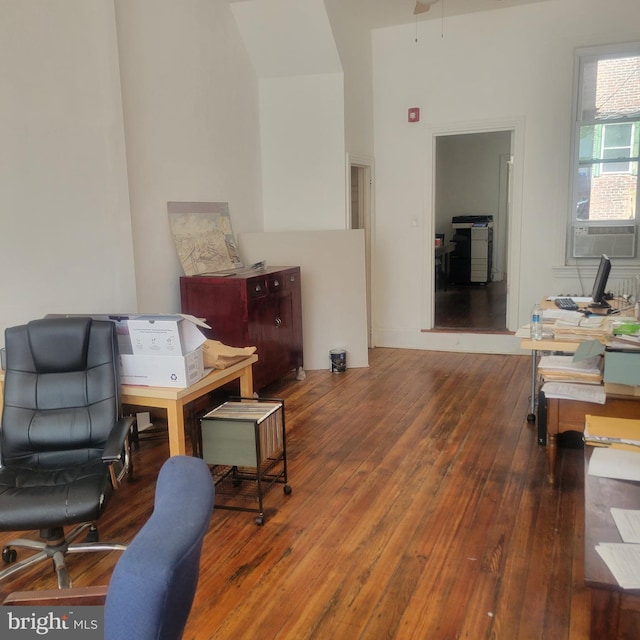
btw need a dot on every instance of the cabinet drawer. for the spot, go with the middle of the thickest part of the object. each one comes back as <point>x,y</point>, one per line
<point>291,281</point>
<point>257,288</point>
<point>276,283</point>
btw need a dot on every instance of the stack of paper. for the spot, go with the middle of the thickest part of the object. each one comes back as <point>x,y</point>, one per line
<point>619,433</point>
<point>624,343</point>
<point>564,369</point>
<point>585,328</point>
<point>618,456</point>
<point>575,391</point>
<point>619,464</point>
<point>623,558</point>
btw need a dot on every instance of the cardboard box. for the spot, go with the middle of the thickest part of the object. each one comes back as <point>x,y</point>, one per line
<point>164,335</point>
<point>162,370</point>
<point>622,367</point>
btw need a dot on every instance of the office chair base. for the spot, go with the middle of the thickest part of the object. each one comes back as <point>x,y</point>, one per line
<point>54,548</point>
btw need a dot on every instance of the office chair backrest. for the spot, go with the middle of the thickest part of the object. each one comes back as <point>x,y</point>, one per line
<point>61,394</point>
<point>153,584</point>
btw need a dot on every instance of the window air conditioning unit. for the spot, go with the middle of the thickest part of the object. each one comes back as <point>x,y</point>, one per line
<point>617,241</point>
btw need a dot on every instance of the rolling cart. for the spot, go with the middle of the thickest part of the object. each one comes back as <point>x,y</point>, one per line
<point>244,442</point>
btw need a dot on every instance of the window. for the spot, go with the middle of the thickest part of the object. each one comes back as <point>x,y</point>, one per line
<point>607,128</point>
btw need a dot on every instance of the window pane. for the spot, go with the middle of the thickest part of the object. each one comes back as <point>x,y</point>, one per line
<point>615,167</point>
<point>588,144</point>
<point>606,196</point>
<point>610,89</point>
<point>617,135</point>
<point>605,174</point>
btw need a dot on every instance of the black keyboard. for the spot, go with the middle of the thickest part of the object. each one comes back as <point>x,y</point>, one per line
<point>568,304</point>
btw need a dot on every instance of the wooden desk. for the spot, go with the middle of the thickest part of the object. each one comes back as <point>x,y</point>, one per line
<point>174,400</point>
<point>608,600</point>
<point>550,344</point>
<point>568,415</point>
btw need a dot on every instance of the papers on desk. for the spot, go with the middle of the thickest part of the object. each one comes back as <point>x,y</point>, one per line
<point>582,328</point>
<point>623,558</point>
<point>610,461</point>
<point>616,433</point>
<point>567,369</point>
<point>624,343</point>
<point>575,391</point>
<point>619,464</point>
<point>623,561</point>
<point>628,523</point>
<point>554,314</point>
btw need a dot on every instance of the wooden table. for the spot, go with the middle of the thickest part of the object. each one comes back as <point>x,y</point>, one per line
<point>174,400</point>
<point>608,599</point>
<point>568,415</point>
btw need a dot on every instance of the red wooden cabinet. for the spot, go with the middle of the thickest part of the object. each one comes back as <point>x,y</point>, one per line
<point>260,309</point>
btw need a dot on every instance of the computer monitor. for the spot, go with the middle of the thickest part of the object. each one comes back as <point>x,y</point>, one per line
<point>600,284</point>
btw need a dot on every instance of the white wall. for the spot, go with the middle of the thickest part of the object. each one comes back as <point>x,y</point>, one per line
<point>301,112</point>
<point>65,229</point>
<point>353,41</point>
<point>303,159</point>
<point>505,65</point>
<point>190,100</point>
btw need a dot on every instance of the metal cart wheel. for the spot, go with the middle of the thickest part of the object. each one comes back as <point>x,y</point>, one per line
<point>287,490</point>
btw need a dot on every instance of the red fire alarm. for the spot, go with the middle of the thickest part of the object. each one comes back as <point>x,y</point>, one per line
<point>414,114</point>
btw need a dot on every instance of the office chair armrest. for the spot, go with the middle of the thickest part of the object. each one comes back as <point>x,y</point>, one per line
<point>115,444</point>
<point>63,597</point>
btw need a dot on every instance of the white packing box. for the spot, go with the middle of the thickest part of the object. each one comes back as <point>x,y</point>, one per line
<point>162,371</point>
<point>164,335</point>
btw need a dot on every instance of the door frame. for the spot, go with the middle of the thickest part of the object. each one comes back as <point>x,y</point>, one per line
<point>365,167</point>
<point>514,224</point>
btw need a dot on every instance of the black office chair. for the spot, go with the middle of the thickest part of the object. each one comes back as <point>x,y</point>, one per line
<point>63,443</point>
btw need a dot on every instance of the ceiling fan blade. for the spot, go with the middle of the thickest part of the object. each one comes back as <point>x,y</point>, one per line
<point>423,7</point>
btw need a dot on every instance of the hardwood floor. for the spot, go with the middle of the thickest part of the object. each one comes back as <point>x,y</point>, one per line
<point>474,307</point>
<point>419,511</point>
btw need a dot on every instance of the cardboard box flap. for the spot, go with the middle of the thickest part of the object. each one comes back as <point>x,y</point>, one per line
<point>164,334</point>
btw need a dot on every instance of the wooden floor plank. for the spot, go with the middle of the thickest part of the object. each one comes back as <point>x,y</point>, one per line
<point>419,511</point>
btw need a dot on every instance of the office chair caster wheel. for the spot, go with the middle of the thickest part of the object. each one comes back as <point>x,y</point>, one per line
<point>9,555</point>
<point>92,535</point>
<point>531,417</point>
<point>260,520</point>
<point>287,490</point>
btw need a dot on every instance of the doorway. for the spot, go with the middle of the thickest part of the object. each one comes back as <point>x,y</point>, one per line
<point>359,211</point>
<point>471,204</point>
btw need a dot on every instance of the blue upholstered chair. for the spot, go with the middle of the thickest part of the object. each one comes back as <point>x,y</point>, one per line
<point>154,581</point>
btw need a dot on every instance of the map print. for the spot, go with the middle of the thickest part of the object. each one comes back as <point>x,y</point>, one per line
<point>203,237</point>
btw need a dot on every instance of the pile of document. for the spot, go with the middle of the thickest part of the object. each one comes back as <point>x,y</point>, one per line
<point>558,368</point>
<point>616,454</point>
<point>581,328</point>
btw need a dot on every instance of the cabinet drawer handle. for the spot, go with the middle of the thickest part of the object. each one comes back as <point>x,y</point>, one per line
<point>276,283</point>
<point>278,323</point>
<point>258,288</point>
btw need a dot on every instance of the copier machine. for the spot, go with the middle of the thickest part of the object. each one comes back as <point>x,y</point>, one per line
<point>472,258</point>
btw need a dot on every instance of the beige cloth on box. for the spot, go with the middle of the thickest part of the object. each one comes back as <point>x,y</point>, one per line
<point>221,356</point>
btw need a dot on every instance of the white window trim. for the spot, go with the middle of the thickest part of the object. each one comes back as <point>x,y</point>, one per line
<point>571,264</point>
